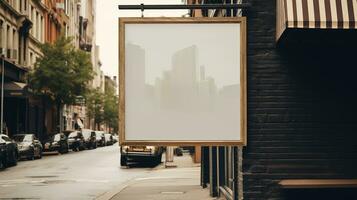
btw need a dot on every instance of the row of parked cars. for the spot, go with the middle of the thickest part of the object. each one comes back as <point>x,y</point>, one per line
<point>29,147</point>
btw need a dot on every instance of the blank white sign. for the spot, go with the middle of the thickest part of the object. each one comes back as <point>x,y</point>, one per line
<point>182,82</point>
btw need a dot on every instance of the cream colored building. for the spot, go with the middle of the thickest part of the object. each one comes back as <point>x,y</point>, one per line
<point>72,26</point>
<point>14,26</point>
<point>21,31</point>
<point>36,11</point>
<point>87,42</point>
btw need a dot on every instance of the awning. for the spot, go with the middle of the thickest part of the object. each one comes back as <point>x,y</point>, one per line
<point>316,14</point>
<point>15,89</point>
<point>13,71</point>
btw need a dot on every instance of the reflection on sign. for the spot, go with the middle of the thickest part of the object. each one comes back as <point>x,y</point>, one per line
<point>181,84</point>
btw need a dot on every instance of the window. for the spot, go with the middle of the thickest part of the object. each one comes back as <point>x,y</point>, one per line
<point>8,33</point>
<point>31,16</point>
<point>42,31</point>
<point>6,138</point>
<point>14,44</point>
<point>1,34</point>
<point>37,26</point>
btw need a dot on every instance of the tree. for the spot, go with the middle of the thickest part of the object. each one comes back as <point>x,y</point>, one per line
<point>111,108</point>
<point>94,104</point>
<point>62,73</point>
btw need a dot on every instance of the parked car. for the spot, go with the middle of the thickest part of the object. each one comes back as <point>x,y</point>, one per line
<point>151,154</point>
<point>8,152</point>
<point>29,146</point>
<point>90,140</point>
<point>76,141</point>
<point>57,142</point>
<point>178,151</point>
<point>108,139</point>
<point>3,154</point>
<point>115,138</point>
<point>67,132</point>
<point>99,135</point>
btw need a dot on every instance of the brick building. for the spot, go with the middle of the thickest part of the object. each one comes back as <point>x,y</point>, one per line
<point>301,104</point>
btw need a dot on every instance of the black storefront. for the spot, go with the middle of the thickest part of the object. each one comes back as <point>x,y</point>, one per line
<point>23,112</point>
<point>301,90</point>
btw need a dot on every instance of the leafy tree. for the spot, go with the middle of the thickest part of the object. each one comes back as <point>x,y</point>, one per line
<point>111,108</point>
<point>95,104</point>
<point>62,73</point>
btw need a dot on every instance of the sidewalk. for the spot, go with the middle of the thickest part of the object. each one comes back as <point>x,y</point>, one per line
<point>174,183</point>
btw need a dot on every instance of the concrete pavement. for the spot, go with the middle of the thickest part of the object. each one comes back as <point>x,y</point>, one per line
<point>175,183</point>
<point>75,176</point>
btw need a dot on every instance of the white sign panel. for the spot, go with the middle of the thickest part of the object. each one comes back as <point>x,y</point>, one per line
<point>182,81</point>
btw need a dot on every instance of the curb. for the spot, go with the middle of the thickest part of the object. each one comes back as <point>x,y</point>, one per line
<point>111,193</point>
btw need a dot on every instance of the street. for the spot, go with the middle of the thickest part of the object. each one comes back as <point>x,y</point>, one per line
<point>76,175</point>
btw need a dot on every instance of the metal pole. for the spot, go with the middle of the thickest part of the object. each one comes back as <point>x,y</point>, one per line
<point>240,173</point>
<point>183,6</point>
<point>2,93</point>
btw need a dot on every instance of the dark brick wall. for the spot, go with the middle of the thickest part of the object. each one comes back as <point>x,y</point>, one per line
<point>302,105</point>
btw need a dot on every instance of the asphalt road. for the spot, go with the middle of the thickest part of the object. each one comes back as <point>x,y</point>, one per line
<point>76,175</point>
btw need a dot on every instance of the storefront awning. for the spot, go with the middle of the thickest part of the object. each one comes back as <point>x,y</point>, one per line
<point>15,89</point>
<point>316,14</point>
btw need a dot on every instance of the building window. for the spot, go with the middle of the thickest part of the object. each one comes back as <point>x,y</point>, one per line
<point>31,16</point>
<point>31,58</point>
<point>42,30</point>
<point>14,44</point>
<point>8,34</point>
<point>1,37</point>
<point>37,26</point>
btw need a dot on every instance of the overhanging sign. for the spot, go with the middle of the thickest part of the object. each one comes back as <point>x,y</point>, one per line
<point>182,81</point>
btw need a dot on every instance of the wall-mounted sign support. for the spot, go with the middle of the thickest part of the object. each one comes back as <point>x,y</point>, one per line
<point>184,6</point>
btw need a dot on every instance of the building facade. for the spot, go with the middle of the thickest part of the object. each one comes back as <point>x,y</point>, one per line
<point>16,23</point>
<point>87,42</point>
<point>301,125</point>
<point>24,26</point>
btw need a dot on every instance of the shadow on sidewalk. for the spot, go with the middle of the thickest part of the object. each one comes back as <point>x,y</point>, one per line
<point>179,183</point>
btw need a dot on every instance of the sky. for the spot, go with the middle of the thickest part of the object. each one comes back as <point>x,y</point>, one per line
<point>107,26</point>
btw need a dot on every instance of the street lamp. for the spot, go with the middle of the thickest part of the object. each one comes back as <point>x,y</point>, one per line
<point>2,93</point>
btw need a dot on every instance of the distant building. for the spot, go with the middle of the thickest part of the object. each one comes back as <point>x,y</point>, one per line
<point>87,42</point>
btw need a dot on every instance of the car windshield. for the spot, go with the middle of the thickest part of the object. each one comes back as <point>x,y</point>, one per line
<point>23,138</point>
<point>57,137</point>
<point>73,134</point>
<point>86,134</point>
<point>5,138</point>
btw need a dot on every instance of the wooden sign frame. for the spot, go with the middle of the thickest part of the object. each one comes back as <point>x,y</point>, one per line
<point>243,90</point>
